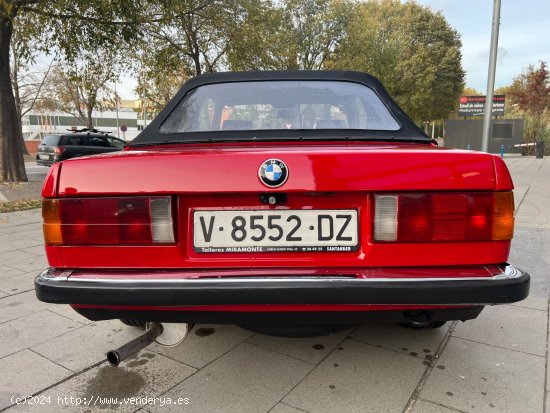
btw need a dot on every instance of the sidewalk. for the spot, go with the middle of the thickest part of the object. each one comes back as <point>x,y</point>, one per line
<point>19,191</point>
<point>24,190</point>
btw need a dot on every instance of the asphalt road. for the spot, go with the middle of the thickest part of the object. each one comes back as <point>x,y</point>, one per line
<point>36,173</point>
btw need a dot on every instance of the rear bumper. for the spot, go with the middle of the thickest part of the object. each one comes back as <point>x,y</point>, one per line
<point>417,286</point>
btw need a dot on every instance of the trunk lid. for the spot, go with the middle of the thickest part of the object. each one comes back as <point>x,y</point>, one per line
<point>322,176</point>
<point>312,167</point>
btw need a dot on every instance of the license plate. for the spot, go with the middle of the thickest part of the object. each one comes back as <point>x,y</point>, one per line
<point>275,231</point>
<point>43,156</point>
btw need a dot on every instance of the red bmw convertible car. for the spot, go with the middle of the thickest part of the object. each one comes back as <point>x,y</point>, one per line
<point>281,199</point>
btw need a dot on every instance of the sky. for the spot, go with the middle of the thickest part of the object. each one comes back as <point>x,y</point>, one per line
<point>524,38</point>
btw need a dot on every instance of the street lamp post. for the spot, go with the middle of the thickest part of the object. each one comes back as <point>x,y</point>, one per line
<point>491,77</point>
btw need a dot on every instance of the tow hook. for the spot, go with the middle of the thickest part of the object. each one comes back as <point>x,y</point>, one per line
<point>165,334</point>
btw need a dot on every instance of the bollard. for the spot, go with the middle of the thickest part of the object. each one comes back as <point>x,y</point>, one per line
<point>539,150</point>
<point>502,151</point>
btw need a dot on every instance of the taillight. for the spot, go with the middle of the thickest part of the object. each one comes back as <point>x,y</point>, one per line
<point>59,150</point>
<point>108,221</point>
<point>443,217</point>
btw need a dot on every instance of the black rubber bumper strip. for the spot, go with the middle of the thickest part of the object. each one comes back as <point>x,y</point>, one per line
<point>511,286</point>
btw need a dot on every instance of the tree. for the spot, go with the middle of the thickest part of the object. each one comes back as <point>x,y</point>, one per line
<point>411,49</point>
<point>531,92</point>
<point>215,35</point>
<point>316,28</point>
<point>12,167</point>
<point>290,34</point>
<point>79,87</point>
<point>155,87</point>
<point>263,40</point>
<point>196,42</point>
<point>27,81</point>
<point>67,25</point>
<point>470,91</point>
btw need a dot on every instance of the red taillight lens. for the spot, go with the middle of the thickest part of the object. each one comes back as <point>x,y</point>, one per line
<point>413,218</point>
<point>59,150</point>
<point>108,221</point>
<point>440,217</point>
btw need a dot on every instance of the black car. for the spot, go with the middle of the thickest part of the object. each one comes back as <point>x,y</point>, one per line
<point>56,148</point>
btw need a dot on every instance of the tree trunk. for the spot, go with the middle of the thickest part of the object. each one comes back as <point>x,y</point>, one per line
<point>18,105</point>
<point>12,164</point>
<point>89,118</point>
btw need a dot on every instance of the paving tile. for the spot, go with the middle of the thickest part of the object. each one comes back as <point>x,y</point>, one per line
<point>32,329</point>
<point>31,263</point>
<point>425,406</point>
<point>25,373</point>
<point>285,408</point>
<point>19,305</point>
<point>358,378</point>
<point>514,328</point>
<point>37,249</point>
<point>204,344</point>
<point>21,244</point>
<point>247,379</point>
<point>12,258</point>
<point>146,375</point>
<point>535,302</point>
<point>67,311</point>
<point>312,350</point>
<point>18,283</point>
<point>419,343</point>
<point>8,272</point>
<point>491,379</point>
<point>14,222</point>
<point>547,368</point>
<point>86,346</point>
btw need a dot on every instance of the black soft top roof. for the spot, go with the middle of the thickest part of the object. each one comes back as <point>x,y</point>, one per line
<point>151,135</point>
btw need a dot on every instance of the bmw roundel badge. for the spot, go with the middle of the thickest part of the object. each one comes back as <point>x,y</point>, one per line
<point>273,173</point>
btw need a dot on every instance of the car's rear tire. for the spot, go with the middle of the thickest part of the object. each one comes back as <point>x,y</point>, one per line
<point>298,331</point>
<point>134,323</point>
<point>422,325</point>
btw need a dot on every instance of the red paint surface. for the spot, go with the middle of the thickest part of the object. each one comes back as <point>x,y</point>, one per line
<point>273,307</point>
<point>322,175</point>
<point>49,188</point>
<point>229,168</point>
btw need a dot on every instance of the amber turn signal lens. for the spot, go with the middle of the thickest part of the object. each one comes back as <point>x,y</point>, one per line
<point>503,216</point>
<point>52,223</point>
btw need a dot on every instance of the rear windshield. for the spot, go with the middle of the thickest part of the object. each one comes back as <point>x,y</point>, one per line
<point>51,140</point>
<point>275,105</point>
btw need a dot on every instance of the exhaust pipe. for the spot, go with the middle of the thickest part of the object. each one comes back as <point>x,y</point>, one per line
<point>114,357</point>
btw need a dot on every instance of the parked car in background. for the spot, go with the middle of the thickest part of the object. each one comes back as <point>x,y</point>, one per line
<point>55,148</point>
<point>288,202</point>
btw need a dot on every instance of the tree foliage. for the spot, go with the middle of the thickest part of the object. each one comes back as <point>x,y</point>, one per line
<point>530,94</point>
<point>470,91</point>
<point>80,87</point>
<point>531,90</point>
<point>411,49</point>
<point>71,27</point>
